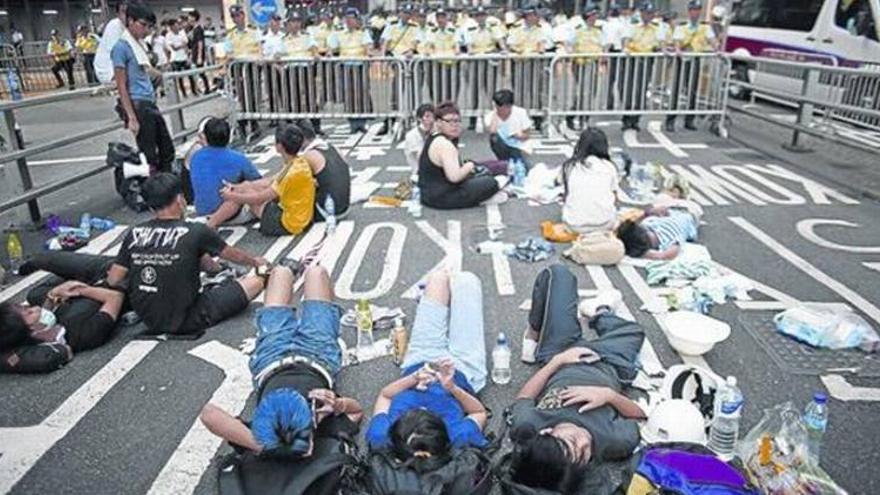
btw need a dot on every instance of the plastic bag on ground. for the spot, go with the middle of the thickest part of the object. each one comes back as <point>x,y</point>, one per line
<point>827,328</point>
<point>775,453</point>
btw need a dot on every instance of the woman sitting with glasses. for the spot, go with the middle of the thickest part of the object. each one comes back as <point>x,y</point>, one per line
<point>294,365</point>
<point>445,182</point>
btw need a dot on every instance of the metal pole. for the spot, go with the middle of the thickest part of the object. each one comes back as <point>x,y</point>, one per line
<point>172,90</point>
<point>805,110</point>
<point>16,140</point>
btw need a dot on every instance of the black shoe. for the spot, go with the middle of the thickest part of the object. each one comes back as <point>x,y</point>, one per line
<point>585,122</point>
<point>472,126</point>
<point>689,125</point>
<point>384,129</point>
<point>569,122</point>
<point>670,126</point>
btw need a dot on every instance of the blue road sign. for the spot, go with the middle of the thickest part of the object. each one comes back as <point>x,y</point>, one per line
<point>262,10</point>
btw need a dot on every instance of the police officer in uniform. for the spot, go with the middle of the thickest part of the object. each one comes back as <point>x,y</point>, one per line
<point>320,31</point>
<point>87,45</point>
<point>691,36</point>
<point>646,38</point>
<point>62,53</point>
<point>616,30</point>
<point>443,40</point>
<point>587,37</point>
<point>273,47</point>
<point>243,42</point>
<point>482,77</point>
<point>353,41</point>
<point>529,75</point>
<point>399,39</point>
<point>301,94</point>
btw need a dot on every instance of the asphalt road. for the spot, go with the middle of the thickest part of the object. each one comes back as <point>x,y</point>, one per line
<point>123,418</point>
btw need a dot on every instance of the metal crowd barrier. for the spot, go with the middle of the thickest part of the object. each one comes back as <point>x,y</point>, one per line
<point>34,73</point>
<point>23,190</point>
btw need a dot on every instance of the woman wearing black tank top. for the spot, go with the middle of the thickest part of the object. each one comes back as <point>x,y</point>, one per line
<point>444,181</point>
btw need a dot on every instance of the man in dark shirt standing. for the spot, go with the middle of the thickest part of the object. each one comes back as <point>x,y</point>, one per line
<point>162,257</point>
<point>197,45</point>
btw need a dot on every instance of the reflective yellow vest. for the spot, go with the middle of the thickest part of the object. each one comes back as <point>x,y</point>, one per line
<point>444,42</point>
<point>696,39</point>
<point>298,45</point>
<point>403,38</point>
<point>87,44</point>
<point>482,40</point>
<point>527,41</point>
<point>245,42</point>
<point>644,39</point>
<point>351,43</point>
<point>587,40</point>
<point>60,50</point>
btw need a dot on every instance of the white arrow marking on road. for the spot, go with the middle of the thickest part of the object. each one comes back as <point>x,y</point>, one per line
<point>631,139</point>
<point>727,172</point>
<point>806,228</point>
<point>390,267</point>
<point>186,466</point>
<point>500,262</point>
<point>96,246</point>
<point>842,290</point>
<point>716,189</point>
<point>872,266</point>
<point>842,390</point>
<point>451,245</point>
<point>31,442</point>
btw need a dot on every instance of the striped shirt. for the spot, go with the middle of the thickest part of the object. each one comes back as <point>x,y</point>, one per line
<point>677,228</point>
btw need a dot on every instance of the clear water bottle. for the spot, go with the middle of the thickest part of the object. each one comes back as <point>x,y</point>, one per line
<point>501,360</point>
<point>725,425</point>
<point>85,224</point>
<point>511,168</point>
<point>816,420</point>
<point>102,223</point>
<point>330,214</point>
<point>519,177</point>
<point>415,202</point>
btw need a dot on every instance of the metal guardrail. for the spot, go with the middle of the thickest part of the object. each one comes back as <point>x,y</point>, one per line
<point>20,154</point>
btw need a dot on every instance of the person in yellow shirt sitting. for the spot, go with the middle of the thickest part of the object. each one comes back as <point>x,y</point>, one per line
<point>285,202</point>
<point>87,44</point>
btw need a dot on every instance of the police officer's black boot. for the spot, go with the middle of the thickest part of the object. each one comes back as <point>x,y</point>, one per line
<point>472,124</point>
<point>569,122</point>
<point>386,126</point>
<point>689,123</point>
<point>670,123</point>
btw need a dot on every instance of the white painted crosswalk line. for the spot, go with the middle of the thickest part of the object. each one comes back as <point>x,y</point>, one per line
<point>182,472</point>
<point>96,246</point>
<point>500,262</point>
<point>21,448</point>
<point>312,237</point>
<point>330,252</point>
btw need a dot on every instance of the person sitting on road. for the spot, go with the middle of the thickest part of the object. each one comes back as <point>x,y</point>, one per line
<point>571,415</point>
<point>432,409</point>
<point>284,202</point>
<point>331,172</point>
<point>415,138</point>
<point>214,166</point>
<point>294,367</point>
<point>162,259</point>
<point>660,233</point>
<point>508,127</point>
<point>590,182</point>
<point>445,181</point>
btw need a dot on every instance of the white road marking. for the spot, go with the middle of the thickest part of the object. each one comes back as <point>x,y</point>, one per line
<point>307,241</point>
<point>818,193</point>
<point>398,168</point>
<point>719,191</point>
<point>872,266</point>
<point>96,246</point>
<point>631,140</point>
<point>500,262</point>
<point>193,455</point>
<point>23,447</point>
<point>839,388</point>
<point>451,245</point>
<point>331,250</point>
<point>807,229</point>
<point>364,175</point>
<point>390,267</point>
<point>842,290</point>
<point>269,153</point>
<point>727,172</point>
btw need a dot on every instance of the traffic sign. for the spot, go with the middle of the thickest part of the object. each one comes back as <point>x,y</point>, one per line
<point>262,10</point>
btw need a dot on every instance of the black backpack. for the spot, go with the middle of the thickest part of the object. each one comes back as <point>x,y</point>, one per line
<point>469,472</point>
<point>129,189</point>
<point>326,472</point>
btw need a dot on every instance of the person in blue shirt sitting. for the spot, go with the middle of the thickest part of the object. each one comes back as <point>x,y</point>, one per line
<point>432,409</point>
<point>214,166</point>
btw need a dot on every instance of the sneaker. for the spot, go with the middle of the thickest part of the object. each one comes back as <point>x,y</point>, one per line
<point>610,299</point>
<point>529,349</point>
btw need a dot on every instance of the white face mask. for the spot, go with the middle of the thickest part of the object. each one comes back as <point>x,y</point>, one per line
<point>47,318</point>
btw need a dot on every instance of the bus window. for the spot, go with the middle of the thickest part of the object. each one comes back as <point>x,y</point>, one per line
<point>795,15</point>
<point>856,17</point>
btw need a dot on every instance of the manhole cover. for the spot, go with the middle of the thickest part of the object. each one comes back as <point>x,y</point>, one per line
<point>801,359</point>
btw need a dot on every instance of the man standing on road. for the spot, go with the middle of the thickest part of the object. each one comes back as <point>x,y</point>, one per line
<point>111,34</point>
<point>61,51</point>
<point>162,259</point>
<point>243,42</point>
<point>692,36</point>
<point>137,98</point>
<point>645,38</point>
<point>177,43</point>
<point>197,46</point>
<point>87,45</point>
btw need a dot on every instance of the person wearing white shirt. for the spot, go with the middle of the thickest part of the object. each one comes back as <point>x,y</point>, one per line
<point>414,142</point>
<point>508,127</point>
<point>273,40</point>
<point>177,42</point>
<point>590,182</point>
<point>616,32</point>
<point>160,49</point>
<point>112,32</point>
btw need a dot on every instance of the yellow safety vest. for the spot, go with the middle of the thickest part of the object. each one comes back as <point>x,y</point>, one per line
<point>245,42</point>
<point>587,40</point>
<point>320,33</point>
<point>527,41</point>
<point>59,50</point>
<point>87,44</point>
<point>444,42</point>
<point>644,39</point>
<point>298,45</point>
<point>404,38</point>
<point>351,43</point>
<point>696,40</point>
<point>483,40</point>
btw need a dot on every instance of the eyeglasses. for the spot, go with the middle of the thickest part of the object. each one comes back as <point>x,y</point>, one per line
<point>452,121</point>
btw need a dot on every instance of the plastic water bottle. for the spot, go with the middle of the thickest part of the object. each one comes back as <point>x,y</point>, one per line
<point>330,214</point>
<point>725,426</point>
<point>519,177</point>
<point>415,202</point>
<point>85,223</point>
<point>501,360</point>
<point>14,251</point>
<point>102,223</point>
<point>816,419</point>
<point>511,168</point>
<point>364,321</point>
<point>399,340</point>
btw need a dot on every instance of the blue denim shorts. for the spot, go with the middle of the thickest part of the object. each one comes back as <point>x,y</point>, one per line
<point>311,332</point>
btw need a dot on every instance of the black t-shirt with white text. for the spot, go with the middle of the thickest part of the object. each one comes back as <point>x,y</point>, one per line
<point>162,258</point>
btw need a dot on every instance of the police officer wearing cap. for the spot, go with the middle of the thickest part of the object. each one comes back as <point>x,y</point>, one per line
<point>273,48</point>
<point>244,42</point>
<point>442,41</point>
<point>587,38</point>
<point>645,38</point>
<point>481,38</point>
<point>529,75</point>
<point>300,78</point>
<point>353,41</point>
<point>399,39</point>
<point>61,51</point>
<point>616,30</point>
<point>691,36</point>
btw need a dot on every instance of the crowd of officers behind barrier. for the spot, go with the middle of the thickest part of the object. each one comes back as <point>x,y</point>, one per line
<point>416,30</point>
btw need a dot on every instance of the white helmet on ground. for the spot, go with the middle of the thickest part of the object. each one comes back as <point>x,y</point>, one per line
<point>675,420</point>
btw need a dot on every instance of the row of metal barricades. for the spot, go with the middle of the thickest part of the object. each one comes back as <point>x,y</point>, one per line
<point>553,86</point>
